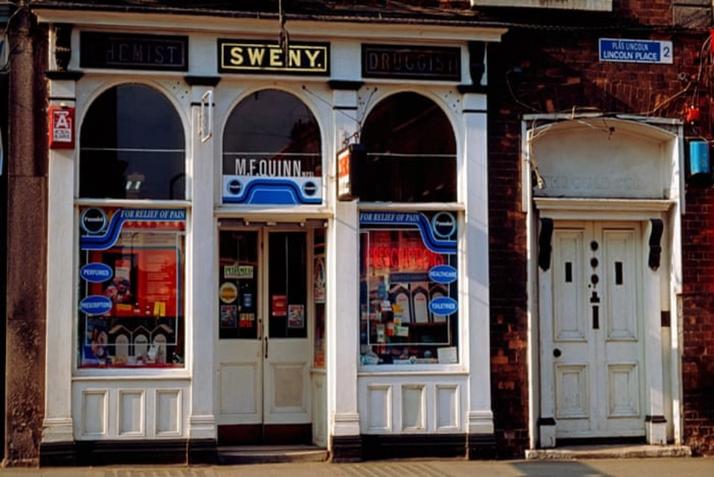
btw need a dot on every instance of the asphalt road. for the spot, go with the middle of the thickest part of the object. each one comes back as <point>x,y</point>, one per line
<point>681,467</point>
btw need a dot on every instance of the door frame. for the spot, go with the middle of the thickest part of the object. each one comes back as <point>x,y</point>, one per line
<point>659,292</point>
<point>262,228</point>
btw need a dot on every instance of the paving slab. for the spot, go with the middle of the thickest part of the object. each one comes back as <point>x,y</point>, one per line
<point>675,467</point>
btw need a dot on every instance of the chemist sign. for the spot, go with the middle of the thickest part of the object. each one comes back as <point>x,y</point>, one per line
<point>635,51</point>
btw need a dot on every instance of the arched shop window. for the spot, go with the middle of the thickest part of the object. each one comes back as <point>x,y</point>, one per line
<point>272,152</point>
<point>411,152</point>
<point>409,300</point>
<point>132,146</point>
<point>131,258</point>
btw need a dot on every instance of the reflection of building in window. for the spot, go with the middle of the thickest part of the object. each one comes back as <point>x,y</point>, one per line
<point>132,146</point>
<point>411,151</point>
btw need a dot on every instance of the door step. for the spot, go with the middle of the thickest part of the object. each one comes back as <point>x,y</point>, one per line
<point>230,455</point>
<point>637,451</point>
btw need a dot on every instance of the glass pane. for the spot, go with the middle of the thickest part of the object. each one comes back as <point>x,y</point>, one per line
<point>132,146</point>
<point>237,292</point>
<point>411,152</point>
<point>272,152</point>
<point>408,288</point>
<point>287,285</point>
<point>131,288</point>
<point>319,273</point>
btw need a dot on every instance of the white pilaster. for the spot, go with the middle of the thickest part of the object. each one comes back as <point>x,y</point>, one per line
<point>474,186</point>
<point>201,274</point>
<point>57,424</point>
<point>343,289</point>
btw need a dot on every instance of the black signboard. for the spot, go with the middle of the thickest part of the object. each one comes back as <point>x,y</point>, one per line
<point>411,62</point>
<point>263,57</point>
<point>133,51</point>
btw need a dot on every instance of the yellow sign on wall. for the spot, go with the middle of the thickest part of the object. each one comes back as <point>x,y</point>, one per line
<point>261,57</point>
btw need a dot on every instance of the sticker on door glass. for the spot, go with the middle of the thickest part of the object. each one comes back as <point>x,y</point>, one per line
<point>296,316</point>
<point>279,305</point>
<point>228,293</point>
<point>238,272</point>
<point>229,316</point>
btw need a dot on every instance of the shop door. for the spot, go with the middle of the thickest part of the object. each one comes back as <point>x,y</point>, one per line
<point>591,331</point>
<point>264,352</point>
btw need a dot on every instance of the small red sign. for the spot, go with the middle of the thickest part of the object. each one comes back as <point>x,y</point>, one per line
<point>348,161</point>
<point>280,305</point>
<point>61,121</point>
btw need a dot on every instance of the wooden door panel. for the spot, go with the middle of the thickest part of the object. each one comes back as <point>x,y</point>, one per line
<point>621,284</point>
<point>572,392</point>
<point>568,299</point>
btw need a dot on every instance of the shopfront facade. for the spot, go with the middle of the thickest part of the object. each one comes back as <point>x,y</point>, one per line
<point>209,285</point>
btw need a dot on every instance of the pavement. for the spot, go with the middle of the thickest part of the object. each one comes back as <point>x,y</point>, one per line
<point>675,467</point>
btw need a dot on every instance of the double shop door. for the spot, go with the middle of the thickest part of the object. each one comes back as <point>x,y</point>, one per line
<point>264,348</point>
<point>591,328</point>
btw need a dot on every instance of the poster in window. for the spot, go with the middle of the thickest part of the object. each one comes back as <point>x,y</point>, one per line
<point>408,287</point>
<point>229,316</point>
<point>279,305</point>
<point>296,316</point>
<point>319,280</point>
<point>131,287</point>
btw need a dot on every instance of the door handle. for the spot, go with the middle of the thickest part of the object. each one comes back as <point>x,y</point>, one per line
<point>557,353</point>
<point>266,347</point>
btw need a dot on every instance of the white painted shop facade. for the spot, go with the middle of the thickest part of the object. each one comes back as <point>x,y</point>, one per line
<point>224,292</point>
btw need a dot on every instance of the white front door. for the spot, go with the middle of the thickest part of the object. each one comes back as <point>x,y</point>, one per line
<point>264,348</point>
<point>591,329</point>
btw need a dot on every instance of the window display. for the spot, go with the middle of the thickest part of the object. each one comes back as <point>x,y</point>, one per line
<point>131,287</point>
<point>408,288</point>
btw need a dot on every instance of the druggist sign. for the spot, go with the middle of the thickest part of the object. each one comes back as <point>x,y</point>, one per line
<point>618,50</point>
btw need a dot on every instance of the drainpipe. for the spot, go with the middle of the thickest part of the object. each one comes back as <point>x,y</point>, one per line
<point>26,239</point>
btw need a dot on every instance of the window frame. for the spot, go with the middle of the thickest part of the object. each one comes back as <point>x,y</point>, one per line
<point>456,207</point>
<point>228,208</point>
<point>94,88</point>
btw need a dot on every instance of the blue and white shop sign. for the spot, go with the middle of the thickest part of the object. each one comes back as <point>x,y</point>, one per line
<point>620,50</point>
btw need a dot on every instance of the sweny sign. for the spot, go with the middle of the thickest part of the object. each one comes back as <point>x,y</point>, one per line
<point>258,57</point>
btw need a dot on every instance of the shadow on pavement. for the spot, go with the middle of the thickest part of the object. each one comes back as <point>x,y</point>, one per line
<point>556,468</point>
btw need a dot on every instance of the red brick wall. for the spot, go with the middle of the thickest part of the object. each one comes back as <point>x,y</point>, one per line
<point>553,70</point>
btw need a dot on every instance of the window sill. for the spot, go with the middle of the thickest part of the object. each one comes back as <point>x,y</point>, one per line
<point>124,374</point>
<point>134,203</point>
<point>411,370</point>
